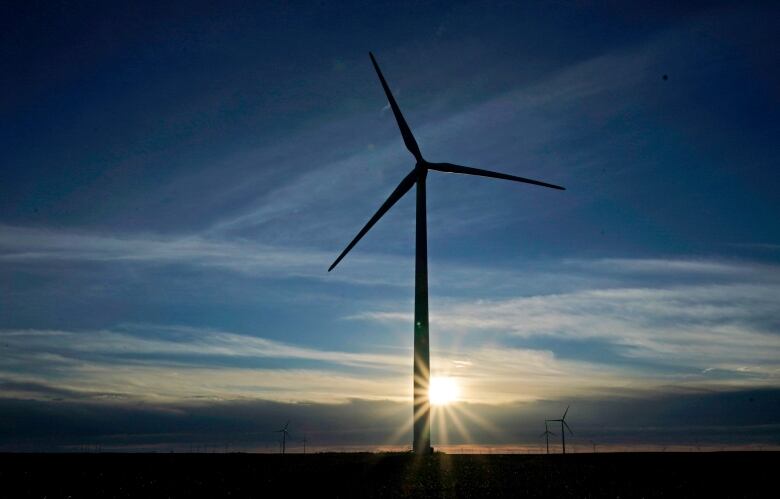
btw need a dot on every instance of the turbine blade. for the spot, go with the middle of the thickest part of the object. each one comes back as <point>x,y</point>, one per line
<point>406,133</point>
<point>467,170</point>
<point>567,427</point>
<point>397,194</point>
<point>565,412</point>
<point>286,425</point>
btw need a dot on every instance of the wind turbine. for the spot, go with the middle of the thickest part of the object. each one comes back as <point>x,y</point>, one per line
<point>546,436</point>
<point>563,423</point>
<point>421,407</point>
<point>285,434</point>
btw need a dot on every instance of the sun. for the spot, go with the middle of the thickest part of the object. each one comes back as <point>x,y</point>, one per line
<point>443,390</point>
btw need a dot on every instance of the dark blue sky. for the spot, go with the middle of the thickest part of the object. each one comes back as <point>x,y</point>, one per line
<point>175,181</point>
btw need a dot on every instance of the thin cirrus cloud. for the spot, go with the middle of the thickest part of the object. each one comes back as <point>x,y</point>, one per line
<point>714,328</point>
<point>313,188</point>
<point>533,120</point>
<point>173,364</point>
<point>714,318</point>
<point>318,185</point>
<point>20,245</point>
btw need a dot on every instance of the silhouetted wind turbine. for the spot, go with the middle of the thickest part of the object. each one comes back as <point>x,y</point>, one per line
<point>546,436</point>
<point>563,423</point>
<point>421,410</point>
<point>284,433</point>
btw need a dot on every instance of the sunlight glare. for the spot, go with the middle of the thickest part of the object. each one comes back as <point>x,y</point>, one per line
<point>443,391</point>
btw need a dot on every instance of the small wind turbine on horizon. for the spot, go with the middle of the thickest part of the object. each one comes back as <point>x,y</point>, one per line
<point>421,358</point>
<point>285,434</point>
<point>563,423</point>
<point>546,436</point>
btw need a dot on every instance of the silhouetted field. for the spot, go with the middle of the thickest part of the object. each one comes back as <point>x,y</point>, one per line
<point>730,474</point>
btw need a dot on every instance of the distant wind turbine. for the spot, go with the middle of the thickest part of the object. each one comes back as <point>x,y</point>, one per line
<point>563,423</point>
<point>546,436</point>
<point>421,359</point>
<point>285,434</point>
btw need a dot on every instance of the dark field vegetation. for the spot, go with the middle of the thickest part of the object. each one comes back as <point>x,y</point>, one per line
<point>730,474</point>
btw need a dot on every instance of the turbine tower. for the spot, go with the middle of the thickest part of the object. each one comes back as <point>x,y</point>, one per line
<point>421,359</point>
<point>285,434</point>
<point>546,436</point>
<point>563,423</point>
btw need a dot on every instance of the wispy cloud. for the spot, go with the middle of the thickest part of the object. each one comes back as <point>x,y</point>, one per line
<point>166,362</point>
<point>20,245</point>
<point>312,187</point>
<point>149,362</point>
<point>697,321</point>
<point>319,199</point>
<point>730,326</point>
<point>675,266</point>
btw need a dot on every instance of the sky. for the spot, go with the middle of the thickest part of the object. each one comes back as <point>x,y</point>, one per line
<point>176,179</point>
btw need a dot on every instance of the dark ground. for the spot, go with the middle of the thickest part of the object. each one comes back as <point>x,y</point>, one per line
<point>729,474</point>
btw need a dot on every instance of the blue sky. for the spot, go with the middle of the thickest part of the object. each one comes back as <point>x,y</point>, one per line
<point>176,181</point>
